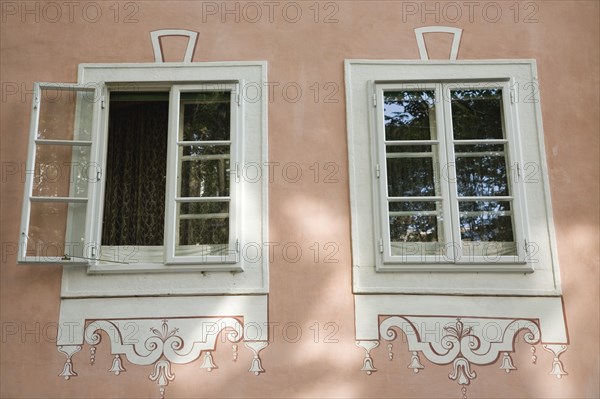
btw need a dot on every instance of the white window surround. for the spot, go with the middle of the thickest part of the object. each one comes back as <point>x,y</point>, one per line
<point>160,314</point>
<point>370,274</point>
<point>248,275</point>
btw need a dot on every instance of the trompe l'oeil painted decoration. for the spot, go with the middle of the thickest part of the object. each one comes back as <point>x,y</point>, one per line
<point>461,343</point>
<point>162,343</point>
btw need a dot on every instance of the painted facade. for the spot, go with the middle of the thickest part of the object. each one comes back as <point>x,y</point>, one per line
<point>305,303</point>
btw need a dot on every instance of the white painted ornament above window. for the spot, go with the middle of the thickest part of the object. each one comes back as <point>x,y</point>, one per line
<point>420,35</point>
<point>157,46</point>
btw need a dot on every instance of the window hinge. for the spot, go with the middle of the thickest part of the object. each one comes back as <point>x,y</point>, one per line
<point>518,169</point>
<point>513,96</point>
<point>377,171</point>
<point>237,171</point>
<point>238,99</point>
<point>98,175</point>
<point>526,246</point>
<point>36,101</point>
<point>93,252</point>
<point>381,245</point>
<point>237,246</point>
<point>102,102</point>
<point>374,99</point>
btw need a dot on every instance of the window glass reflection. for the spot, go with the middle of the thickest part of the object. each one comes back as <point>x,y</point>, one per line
<point>409,115</point>
<point>481,170</point>
<point>206,116</point>
<point>477,114</point>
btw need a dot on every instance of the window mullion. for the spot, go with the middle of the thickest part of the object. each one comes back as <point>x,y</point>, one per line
<point>383,240</point>
<point>172,185</point>
<point>436,132</point>
<point>235,157</point>
<point>451,195</point>
<point>97,187</point>
<point>517,191</point>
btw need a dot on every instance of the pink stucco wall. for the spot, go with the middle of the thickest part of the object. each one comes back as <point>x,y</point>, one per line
<point>562,36</point>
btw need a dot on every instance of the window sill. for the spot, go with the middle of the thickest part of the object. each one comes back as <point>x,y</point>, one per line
<point>163,268</point>
<point>496,267</point>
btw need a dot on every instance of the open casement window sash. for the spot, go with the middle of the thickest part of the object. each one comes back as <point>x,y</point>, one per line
<point>55,220</point>
<point>442,202</point>
<point>181,149</point>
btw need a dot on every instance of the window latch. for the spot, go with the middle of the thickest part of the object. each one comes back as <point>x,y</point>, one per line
<point>513,96</point>
<point>374,99</point>
<point>381,245</point>
<point>102,102</point>
<point>377,171</point>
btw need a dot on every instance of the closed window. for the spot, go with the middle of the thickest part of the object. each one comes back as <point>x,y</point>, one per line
<point>445,163</point>
<point>448,184</point>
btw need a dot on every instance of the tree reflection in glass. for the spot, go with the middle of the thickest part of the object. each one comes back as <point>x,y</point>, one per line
<point>481,171</point>
<point>414,197</point>
<point>204,164</point>
<point>412,172</point>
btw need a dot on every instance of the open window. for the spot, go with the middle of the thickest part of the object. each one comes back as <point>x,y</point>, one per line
<point>147,171</point>
<point>168,191</point>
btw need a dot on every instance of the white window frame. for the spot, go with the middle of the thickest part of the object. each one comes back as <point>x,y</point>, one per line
<point>374,271</point>
<point>444,156</point>
<point>167,250</point>
<point>29,198</point>
<point>201,275</point>
<point>236,158</point>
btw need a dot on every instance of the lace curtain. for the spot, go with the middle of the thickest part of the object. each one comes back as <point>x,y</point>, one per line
<point>134,198</point>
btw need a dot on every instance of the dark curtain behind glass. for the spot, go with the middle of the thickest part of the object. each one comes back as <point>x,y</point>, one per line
<point>134,198</point>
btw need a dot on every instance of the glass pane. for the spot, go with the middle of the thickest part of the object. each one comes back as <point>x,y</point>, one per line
<point>203,228</point>
<point>136,168</point>
<point>61,171</point>
<point>416,228</point>
<point>410,177</point>
<point>481,170</point>
<point>56,229</point>
<point>487,222</point>
<point>477,114</point>
<point>206,116</point>
<point>65,114</point>
<point>409,115</point>
<point>205,171</point>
